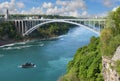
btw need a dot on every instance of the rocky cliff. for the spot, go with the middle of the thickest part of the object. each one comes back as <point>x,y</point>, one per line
<point>109,72</point>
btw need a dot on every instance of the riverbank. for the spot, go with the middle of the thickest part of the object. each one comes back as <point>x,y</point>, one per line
<point>5,42</point>
<point>11,41</point>
<point>9,34</point>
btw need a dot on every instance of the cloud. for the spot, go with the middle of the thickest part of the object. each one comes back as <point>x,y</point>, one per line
<point>20,5</point>
<point>53,11</point>
<point>108,3</point>
<point>47,5</point>
<point>33,10</point>
<point>60,7</point>
<point>115,8</point>
<point>84,13</point>
<point>104,14</point>
<point>11,6</point>
<point>70,8</point>
<point>74,13</point>
<point>63,3</point>
<point>72,5</point>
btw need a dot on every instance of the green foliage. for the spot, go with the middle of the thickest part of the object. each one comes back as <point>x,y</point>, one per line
<point>110,36</point>
<point>51,30</point>
<point>118,66</point>
<point>86,64</point>
<point>8,31</point>
<point>69,77</point>
<point>113,21</point>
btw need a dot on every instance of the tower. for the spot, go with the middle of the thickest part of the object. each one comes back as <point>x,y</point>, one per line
<point>7,14</point>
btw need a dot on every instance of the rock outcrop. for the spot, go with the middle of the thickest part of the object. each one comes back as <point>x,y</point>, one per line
<point>109,72</point>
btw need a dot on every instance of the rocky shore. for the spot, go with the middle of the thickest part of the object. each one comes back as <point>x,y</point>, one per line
<point>10,41</point>
<point>4,42</point>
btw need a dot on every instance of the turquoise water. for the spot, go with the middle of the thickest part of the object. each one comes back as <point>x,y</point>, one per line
<point>50,56</point>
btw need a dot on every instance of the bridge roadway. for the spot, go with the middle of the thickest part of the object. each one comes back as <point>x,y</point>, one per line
<point>27,26</point>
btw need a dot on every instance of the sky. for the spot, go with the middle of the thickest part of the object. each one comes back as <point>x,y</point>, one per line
<point>76,8</point>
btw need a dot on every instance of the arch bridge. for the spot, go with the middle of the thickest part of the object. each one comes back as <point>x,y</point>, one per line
<point>27,26</point>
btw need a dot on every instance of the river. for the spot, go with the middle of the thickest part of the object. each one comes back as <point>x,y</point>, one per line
<point>50,56</point>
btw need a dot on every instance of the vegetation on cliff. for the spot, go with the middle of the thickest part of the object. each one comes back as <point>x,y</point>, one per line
<point>86,64</point>
<point>8,31</point>
<point>117,67</point>
<point>110,36</point>
<point>50,30</point>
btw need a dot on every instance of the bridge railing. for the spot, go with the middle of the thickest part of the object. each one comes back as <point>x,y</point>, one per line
<point>81,19</point>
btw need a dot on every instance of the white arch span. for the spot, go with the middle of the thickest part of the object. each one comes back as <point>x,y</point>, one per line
<point>37,26</point>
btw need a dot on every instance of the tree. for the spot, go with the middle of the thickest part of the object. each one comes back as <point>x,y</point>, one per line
<point>110,33</point>
<point>113,21</point>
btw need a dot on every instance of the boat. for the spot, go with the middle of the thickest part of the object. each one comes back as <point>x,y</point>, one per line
<point>28,65</point>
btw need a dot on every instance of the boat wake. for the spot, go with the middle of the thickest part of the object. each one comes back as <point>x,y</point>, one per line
<point>21,66</point>
<point>21,46</point>
<point>17,47</point>
<point>7,45</point>
<point>41,45</point>
<point>61,36</point>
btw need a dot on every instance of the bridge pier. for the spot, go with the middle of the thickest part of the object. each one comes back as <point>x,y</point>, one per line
<point>25,26</point>
<point>22,27</point>
<point>99,25</point>
<point>19,27</point>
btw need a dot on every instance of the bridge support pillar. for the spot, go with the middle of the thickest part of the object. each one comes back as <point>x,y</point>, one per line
<point>19,27</point>
<point>22,27</point>
<point>32,23</point>
<point>104,24</point>
<point>99,25</point>
<point>25,26</point>
<point>94,24</point>
<point>89,23</point>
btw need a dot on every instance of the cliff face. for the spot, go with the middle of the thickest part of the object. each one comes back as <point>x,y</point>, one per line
<point>109,72</point>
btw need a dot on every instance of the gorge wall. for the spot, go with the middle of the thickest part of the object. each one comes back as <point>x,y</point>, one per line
<point>109,71</point>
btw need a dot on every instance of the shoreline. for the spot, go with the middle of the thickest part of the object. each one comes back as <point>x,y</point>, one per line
<point>5,42</point>
<point>12,41</point>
